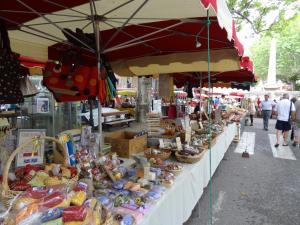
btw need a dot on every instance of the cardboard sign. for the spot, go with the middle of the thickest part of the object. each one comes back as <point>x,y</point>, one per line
<point>178,143</point>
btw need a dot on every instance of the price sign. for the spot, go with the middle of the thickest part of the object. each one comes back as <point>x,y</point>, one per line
<point>188,134</point>
<point>178,143</point>
<point>161,143</point>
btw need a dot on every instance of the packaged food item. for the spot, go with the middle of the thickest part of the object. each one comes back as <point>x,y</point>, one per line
<point>74,213</point>
<point>37,182</point>
<point>53,199</point>
<point>78,198</point>
<point>26,212</point>
<point>19,185</point>
<point>51,181</point>
<point>22,202</point>
<point>51,214</point>
<point>57,221</point>
<point>80,186</point>
<point>65,172</point>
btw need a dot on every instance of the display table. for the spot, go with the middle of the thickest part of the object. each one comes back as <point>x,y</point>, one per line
<point>176,206</point>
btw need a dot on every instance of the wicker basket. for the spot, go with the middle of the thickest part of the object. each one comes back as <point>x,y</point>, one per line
<point>164,155</point>
<point>175,172</point>
<point>189,159</point>
<point>6,194</point>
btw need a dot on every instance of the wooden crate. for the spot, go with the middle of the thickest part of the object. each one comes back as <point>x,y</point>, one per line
<point>125,144</point>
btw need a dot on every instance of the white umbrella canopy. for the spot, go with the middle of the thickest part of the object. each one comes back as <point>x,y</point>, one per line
<point>117,12</point>
<point>46,24</point>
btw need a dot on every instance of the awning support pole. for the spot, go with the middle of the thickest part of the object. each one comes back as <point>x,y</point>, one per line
<point>209,120</point>
<point>97,40</point>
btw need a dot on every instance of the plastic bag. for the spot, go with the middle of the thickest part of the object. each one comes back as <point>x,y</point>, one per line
<point>74,213</point>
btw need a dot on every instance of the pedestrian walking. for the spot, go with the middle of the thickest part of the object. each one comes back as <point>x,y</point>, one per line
<point>285,111</point>
<point>297,123</point>
<point>251,109</point>
<point>266,106</point>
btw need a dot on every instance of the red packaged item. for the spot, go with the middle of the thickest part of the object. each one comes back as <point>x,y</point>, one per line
<point>73,171</point>
<point>29,167</point>
<point>53,199</point>
<point>19,185</point>
<point>20,172</point>
<point>74,213</point>
<point>36,192</point>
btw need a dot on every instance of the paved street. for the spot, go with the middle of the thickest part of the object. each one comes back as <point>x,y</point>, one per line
<point>261,190</point>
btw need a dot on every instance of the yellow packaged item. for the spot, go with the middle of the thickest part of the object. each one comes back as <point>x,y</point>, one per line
<point>78,198</point>
<point>66,172</point>
<point>51,181</point>
<point>97,215</point>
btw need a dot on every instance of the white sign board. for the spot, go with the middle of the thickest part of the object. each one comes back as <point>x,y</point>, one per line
<point>42,105</point>
<point>28,156</point>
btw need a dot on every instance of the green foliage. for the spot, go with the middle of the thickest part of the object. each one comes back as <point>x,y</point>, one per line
<point>288,51</point>
<point>257,13</point>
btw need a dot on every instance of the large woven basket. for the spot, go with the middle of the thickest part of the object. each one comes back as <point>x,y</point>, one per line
<point>189,159</point>
<point>6,194</point>
<point>165,154</point>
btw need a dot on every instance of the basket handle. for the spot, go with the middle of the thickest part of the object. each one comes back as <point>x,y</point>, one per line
<point>19,149</point>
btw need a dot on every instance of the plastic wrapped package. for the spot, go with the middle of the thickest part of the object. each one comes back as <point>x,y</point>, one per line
<point>74,213</point>
<point>80,186</point>
<point>53,199</point>
<point>51,214</point>
<point>78,198</point>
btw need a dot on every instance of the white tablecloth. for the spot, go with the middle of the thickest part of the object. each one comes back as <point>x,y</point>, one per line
<point>177,204</point>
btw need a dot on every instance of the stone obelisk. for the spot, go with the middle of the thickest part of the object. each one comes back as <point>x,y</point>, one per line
<point>271,79</point>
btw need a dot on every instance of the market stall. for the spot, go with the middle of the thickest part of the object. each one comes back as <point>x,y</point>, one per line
<point>80,186</point>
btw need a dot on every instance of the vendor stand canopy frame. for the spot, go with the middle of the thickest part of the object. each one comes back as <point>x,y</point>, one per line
<point>44,19</point>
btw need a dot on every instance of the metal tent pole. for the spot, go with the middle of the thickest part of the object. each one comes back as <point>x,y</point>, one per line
<point>99,73</point>
<point>95,20</point>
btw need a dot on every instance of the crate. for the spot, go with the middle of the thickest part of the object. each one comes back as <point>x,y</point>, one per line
<point>125,144</point>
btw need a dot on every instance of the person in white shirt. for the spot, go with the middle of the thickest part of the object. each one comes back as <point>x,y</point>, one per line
<point>266,106</point>
<point>285,111</point>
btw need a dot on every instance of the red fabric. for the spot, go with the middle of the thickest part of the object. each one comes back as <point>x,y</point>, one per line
<point>236,94</point>
<point>246,63</point>
<point>213,3</point>
<point>178,39</point>
<point>30,62</point>
<point>237,44</point>
<point>60,79</point>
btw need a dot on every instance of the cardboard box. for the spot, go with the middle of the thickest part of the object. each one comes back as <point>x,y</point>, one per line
<point>125,144</point>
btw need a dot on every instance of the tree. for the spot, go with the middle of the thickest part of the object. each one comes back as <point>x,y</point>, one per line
<point>288,51</point>
<point>261,15</point>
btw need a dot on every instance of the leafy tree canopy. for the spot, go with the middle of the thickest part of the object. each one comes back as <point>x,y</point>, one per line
<point>288,51</point>
<point>262,15</point>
